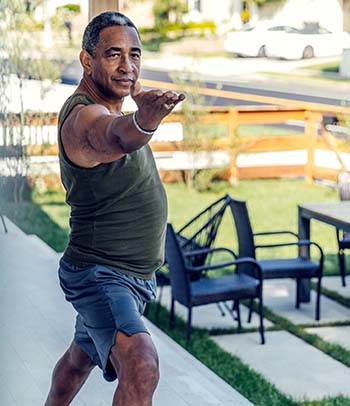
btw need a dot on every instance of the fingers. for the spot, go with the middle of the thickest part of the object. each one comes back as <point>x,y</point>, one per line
<point>158,96</point>
<point>153,105</point>
<point>170,99</point>
<point>144,96</point>
<point>156,99</point>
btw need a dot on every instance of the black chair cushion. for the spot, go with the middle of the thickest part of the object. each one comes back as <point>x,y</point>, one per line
<point>288,268</point>
<point>231,287</point>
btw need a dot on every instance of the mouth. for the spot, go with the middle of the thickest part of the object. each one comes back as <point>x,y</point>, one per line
<point>123,81</point>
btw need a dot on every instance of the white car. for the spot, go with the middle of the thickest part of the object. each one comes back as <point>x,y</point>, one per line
<point>254,41</point>
<point>308,43</point>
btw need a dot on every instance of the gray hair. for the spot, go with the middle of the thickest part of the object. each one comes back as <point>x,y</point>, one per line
<point>97,24</point>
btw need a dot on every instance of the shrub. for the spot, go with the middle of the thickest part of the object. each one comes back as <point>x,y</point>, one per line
<point>74,8</point>
<point>209,179</point>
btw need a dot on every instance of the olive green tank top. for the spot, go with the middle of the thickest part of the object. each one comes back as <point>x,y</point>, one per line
<point>118,210</point>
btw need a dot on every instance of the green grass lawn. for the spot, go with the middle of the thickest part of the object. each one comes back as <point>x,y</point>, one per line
<point>272,205</point>
<point>332,67</point>
<point>216,131</point>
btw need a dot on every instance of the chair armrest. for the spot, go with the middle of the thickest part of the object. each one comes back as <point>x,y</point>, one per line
<point>297,243</point>
<point>210,267</point>
<point>238,261</point>
<point>276,232</point>
<point>208,251</point>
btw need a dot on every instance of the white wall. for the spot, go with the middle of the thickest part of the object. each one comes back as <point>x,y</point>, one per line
<point>51,6</point>
<point>294,12</point>
<point>216,10</point>
<point>141,13</point>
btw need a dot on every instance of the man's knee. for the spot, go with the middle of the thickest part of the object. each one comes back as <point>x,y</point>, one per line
<point>79,360</point>
<point>144,370</point>
<point>136,359</point>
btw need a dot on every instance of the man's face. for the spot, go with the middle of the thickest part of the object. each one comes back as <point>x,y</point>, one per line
<point>116,65</point>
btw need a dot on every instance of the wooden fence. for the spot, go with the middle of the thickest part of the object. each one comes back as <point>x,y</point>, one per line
<point>235,116</point>
<point>315,136</point>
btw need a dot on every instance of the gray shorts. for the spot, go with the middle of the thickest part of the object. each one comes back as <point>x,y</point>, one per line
<point>107,301</point>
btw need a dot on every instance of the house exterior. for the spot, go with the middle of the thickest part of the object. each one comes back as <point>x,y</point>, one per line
<point>328,13</point>
<point>231,13</point>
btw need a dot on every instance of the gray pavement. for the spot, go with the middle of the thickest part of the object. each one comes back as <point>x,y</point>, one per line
<point>334,283</point>
<point>336,335</point>
<point>36,326</point>
<point>256,73</point>
<point>293,366</point>
<point>279,296</point>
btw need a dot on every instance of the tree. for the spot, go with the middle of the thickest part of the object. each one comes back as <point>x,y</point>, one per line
<point>262,2</point>
<point>16,64</point>
<point>198,141</point>
<point>169,11</point>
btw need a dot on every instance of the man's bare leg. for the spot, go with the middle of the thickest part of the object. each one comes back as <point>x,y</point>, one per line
<point>136,362</point>
<point>69,375</point>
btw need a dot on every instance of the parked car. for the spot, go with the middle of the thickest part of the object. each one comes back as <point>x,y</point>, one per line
<point>311,41</point>
<point>72,73</point>
<point>254,41</point>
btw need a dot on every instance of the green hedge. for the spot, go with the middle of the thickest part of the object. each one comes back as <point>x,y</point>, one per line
<point>181,28</point>
<point>74,8</point>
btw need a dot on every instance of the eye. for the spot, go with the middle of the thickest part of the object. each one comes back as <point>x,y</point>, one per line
<point>114,55</point>
<point>135,55</point>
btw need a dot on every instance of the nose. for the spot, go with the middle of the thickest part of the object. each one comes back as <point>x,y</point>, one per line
<point>125,65</point>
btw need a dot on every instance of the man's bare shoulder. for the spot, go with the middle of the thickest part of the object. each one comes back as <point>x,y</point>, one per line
<point>84,115</point>
<point>75,132</point>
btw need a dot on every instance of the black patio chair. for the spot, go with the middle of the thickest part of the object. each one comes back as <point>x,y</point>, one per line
<point>235,286</point>
<point>343,237</point>
<point>199,232</point>
<point>3,223</point>
<point>276,268</point>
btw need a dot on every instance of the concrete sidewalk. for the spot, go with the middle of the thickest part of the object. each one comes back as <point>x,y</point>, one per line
<point>36,327</point>
<point>295,367</point>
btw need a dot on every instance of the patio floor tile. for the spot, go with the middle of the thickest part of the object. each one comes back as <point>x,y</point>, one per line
<point>336,335</point>
<point>279,296</point>
<point>334,283</point>
<point>295,367</point>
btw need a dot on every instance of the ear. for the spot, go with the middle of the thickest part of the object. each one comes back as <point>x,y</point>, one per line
<point>85,60</point>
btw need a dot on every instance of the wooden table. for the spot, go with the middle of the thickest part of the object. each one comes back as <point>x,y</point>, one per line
<point>336,214</point>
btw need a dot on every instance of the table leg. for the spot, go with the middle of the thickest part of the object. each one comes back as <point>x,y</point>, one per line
<point>304,251</point>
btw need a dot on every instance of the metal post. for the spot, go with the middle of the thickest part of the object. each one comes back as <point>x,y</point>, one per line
<point>311,119</point>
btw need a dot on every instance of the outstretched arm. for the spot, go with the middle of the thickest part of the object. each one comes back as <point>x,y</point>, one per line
<point>92,135</point>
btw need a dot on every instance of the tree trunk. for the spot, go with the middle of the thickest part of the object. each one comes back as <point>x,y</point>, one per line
<point>99,6</point>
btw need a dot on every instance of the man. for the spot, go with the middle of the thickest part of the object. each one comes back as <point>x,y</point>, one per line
<point>118,216</point>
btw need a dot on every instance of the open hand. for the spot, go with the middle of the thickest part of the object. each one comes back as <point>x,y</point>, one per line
<point>153,105</point>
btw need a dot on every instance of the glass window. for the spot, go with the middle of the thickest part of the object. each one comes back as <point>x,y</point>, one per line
<point>197,5</point>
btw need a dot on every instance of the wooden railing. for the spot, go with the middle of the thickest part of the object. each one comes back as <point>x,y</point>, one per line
<point>233,117</point>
